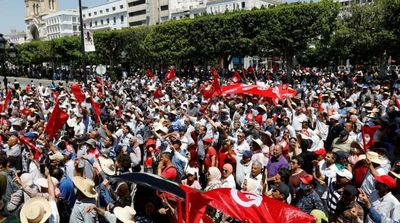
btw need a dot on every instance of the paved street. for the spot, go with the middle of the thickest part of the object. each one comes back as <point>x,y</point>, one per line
<point>24,81</point>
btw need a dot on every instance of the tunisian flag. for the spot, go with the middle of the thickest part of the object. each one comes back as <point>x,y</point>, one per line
<point>214,90</point>
<point>248,207</point>
<point>149,73</point>
<point>195,204</point>
<point>96,109</point>
<point>236,78</point>
<point>7,100</point>
<point>158,93</point>
<point>56,121</point>
<point>76,90</point>
<point>170,75</point>
<point>368,133</point>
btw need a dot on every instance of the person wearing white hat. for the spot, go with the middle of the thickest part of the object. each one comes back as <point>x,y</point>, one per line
<point>121,214</point>
<point>374,163</point>
<point>85,197</point>
<point>39,209</point>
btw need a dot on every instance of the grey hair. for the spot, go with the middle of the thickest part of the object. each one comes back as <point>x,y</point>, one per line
<point>257,163</point>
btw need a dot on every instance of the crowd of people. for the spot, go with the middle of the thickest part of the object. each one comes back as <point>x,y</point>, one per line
<point>308,151</point>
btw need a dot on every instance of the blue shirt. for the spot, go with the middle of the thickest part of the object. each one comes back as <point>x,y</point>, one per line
<point>67,191</point>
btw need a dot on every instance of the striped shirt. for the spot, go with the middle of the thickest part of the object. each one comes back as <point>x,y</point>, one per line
<point>333,196</point>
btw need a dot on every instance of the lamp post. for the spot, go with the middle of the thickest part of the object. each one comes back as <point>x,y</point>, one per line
<point>6,53</point>
<point>82,42</point>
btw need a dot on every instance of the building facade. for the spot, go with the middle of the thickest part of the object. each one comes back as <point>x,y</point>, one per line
<point>220,6</point>
<point>109,16</point>
<point>148,12</point>
<point>34,12</point>
<point>187,8</point>
<point>16,37</point>
<point>62,23</point>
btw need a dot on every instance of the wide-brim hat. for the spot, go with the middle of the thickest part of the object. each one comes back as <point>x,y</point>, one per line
<point>43,183</point>
<point>258,142</point>
<point>107,165</point>
<point>86,186</point>
<point>372,156</point>
<point>125,214</point>
<point>35,210</point>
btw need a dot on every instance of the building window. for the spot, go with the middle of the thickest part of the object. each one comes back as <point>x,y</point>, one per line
<point>107,10</point>
<point>83,15</point>
<point>140,2</point>
<point>121,6</point>
<point>108,21</point>
<point>73,19</point>
<point>243,5</point>
<point>90,14</point>
<point>138,23</point>
<point>101,21</point>
<point>122,19</point>
<point>115,20</point>
<point>95,13</point>
<point>91,24</point>
<point>141,12</point>
<point>164,7</point>
<point>113,8</point>
<point>76,29</point>
<point>95,23</point>
<point>101,11</point>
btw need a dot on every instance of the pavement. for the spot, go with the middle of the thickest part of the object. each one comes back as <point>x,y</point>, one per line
<point>24,81</point>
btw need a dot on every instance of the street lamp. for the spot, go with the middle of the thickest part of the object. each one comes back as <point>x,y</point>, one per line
<point>5,54</point>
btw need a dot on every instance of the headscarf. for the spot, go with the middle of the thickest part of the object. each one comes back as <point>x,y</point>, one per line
<point>214,179</point>
<point>252,185</point>
<point>228,167</point>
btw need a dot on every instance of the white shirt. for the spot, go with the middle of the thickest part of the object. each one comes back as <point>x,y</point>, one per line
<point>297,121</point>
<point>229,182</point>
<point>368,185</point>
<point>240,148</point>
<point>329,172</point>
<point>54,217</point>
<point>387,206</point>
<point>79,129</point>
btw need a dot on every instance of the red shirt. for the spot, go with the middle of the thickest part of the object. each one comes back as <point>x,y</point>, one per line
<point>224,157</point>
<point>207,160</point>
<point>169,172</point>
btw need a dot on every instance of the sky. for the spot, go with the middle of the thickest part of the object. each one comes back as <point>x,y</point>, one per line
<point>12,12</point>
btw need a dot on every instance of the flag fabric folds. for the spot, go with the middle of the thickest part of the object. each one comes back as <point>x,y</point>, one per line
<point>368,133</point>
<point>149,73</point>
<point>77,92</point>
<point>170,75</point>
<point>96,109</point>
<point>236,78</point>
<point>252,208</point>
<point>57,119</point>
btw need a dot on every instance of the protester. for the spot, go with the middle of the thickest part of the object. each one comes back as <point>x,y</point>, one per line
<point>317,141</point>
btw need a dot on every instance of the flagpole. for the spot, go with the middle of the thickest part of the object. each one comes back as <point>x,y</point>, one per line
<point>82,42</point>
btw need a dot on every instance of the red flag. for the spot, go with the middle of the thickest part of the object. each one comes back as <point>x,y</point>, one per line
<point>149,73</point>
<point>56,121</point>
<point>76,90</point>
<point>244,72</point>
<point>170,75</point>
<point>158,93</point>
<point>55,93</point>
<point>27,88</point>
<point>214,73</point>
<point>236,78</point>
<point>96,109</point>
<point>368,133</point>
<point>195,204</point>
<point>27,141</point>
<point>7,100</point>
<point>214,90</point>
<point>254,208</point>
<point>398,103</point>
<point>119,114</point>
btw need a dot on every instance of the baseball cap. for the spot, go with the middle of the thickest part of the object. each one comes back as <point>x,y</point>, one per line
<point>247,154</point>
<point>345,173</point>
<point>387,180</point>
<point>320,151</point>
<point>306,179</point>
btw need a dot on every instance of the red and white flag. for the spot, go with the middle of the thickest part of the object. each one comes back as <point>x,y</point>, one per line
<point>77,92</point>
<point>248,207</point>
<point>170,75</point>
<point>57,119</point>
<point>368,133</point>
<point>236,78</point>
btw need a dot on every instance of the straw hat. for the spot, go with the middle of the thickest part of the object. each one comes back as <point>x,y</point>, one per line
<point>372,156</point>
<point>35,210</point>
<point>86,186</point>
<point>125,214</point>
<point>107,165</point>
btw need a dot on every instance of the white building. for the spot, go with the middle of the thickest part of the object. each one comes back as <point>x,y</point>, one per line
<point>108,16</point>
<point>62,23</point>
<point>16,37</point>
<point>187,8</point>
<point>220,6</point>
<point>148,12</point>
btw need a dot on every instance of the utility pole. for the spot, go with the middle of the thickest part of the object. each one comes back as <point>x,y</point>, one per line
<point>82,42</point>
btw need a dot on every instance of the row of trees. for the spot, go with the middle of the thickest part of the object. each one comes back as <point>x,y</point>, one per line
<point>360,33</point>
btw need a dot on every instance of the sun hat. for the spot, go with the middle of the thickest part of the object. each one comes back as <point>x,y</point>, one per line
<point>345,173</point>
<point>91,142</point>
<point>373,156</point>
<point>107,165</point>
<point>35,210</point>
<point>86,186</point>
<point>125,214</point>
<point>27,179</point>
<point>258,142</point>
